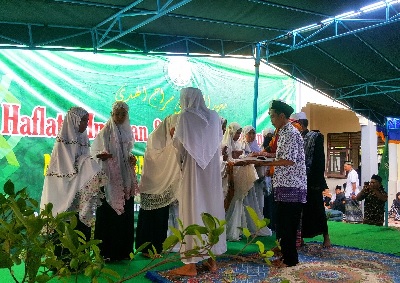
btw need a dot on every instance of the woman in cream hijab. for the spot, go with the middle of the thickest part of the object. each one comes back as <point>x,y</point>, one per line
<point>158,183</point>
<point>113,146</point>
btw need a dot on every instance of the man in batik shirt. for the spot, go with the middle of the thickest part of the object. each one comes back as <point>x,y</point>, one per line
<point>289,180</point>
<point>375,199</point>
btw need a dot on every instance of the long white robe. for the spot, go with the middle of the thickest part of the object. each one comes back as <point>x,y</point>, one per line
<point>255,196</point>
<point>243,179</point>
<point>197,138</point>
<point>201,192</point>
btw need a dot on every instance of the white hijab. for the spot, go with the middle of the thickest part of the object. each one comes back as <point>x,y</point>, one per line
<point>161,171</point>
<point>193,122</point>
<point>70,144</point>
<point>73,179</point>
<point>118,141</point>
<point>252,146</point>
<point>228,139</point>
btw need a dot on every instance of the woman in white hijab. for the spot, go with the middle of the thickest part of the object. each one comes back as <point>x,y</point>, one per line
<point>73,179</point>
<point>230,142</point>
<point>198,138</point>
<point>113,146</point>
<point>255,196</point>
<point>158,183</point>
<point>243,180</point>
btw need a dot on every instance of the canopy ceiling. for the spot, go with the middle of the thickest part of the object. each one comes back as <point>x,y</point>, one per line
<point>353,59</point>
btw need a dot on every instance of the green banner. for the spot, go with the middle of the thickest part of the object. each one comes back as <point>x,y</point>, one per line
<point>38,87</point>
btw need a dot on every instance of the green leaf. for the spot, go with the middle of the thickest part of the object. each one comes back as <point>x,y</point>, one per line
<point>67,243</point>
<point>32,263</point>
<point>89,271</point>
<point>154,249</point>
<point>222,222</point>
<point>3,199</point>
<point>74,263</point>
<point>261,246</point>
<point>42,278</point>
<point>52,262</point>
<point>199,236</point>
<point>5,260</point>
<point>213,239</point>
<point>261,224</point>
<point>211,254</point>
<point>28,212</point>
<point>269,254</point>
<point>253,216</point>
<point>246,232</point>
<point>218,231</point>
<point>48,208</point>
<point>34,202</point>
<point>73,222</point>
<point>111,272</point>
<point>143,246</point>
<point>170,242</point>
<point>194,229</point>
<point>9,188</point>
<point>208,221</point>
<point>180,223</point>
<point>18,213</point>
<point>21,203</point>
<point>192,252</point>
<point>16,259</point>
<point>71,236</point>
<point>176,232</point>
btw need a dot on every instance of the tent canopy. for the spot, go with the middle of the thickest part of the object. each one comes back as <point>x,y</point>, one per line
<point>352,58</point>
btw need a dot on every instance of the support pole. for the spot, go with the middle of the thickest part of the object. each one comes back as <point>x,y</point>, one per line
<point>257,75</point>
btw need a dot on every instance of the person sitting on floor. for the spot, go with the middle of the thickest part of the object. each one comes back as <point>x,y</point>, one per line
<point>333,211</point>
<point>339,201</point>
<point>395,209</point>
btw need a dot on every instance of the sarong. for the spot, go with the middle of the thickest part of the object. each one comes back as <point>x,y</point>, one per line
<point>353,211</point>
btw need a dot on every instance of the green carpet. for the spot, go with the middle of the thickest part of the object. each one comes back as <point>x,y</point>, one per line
<point>373,238</point>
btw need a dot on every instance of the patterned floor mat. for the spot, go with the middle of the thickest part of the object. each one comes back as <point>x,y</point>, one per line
<point>337,264</point>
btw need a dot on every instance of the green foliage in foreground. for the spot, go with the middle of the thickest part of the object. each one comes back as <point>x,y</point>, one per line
<point>30,238</point>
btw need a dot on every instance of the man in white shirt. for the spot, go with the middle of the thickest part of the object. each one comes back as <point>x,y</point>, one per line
<point>353,211</point>
<point>352,180</point>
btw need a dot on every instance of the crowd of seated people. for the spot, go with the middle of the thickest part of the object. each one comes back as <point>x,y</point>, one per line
<point>335,208</point>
